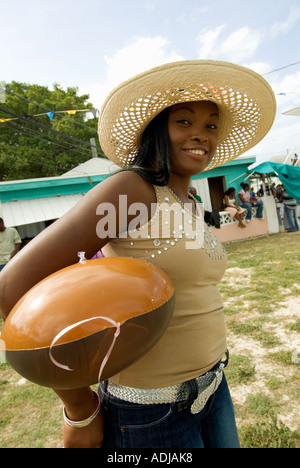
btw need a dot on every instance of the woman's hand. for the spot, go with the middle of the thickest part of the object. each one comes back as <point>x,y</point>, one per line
<point>90,436</point>
<point>80,404</point>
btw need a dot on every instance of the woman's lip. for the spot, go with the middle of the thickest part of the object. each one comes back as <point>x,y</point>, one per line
<point>195,153</point>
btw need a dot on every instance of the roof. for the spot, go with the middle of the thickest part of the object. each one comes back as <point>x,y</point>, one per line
<point>23,212</point>
<point>12,191</point>
<point>94,166</point>
<point>295,111</point>
<point>240,163</point>
<point>24,202</point>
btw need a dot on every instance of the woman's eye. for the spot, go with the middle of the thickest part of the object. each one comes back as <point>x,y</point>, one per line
<point>183,121</point>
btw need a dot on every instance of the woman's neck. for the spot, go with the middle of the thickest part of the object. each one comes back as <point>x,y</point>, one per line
<point>180,186</point>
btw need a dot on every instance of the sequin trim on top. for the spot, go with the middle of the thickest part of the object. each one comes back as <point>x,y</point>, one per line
<point>172,223</point>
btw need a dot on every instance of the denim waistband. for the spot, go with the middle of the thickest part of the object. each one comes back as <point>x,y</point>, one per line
<point>194,393</point>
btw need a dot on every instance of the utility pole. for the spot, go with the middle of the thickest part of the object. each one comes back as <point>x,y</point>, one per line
<point>2,91</point>
<point>94,148</point>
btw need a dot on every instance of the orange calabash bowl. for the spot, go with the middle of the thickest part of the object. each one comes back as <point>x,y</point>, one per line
<point>134,293</point>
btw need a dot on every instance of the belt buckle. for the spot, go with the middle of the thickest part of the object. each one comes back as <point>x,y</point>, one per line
<point>204,395</point>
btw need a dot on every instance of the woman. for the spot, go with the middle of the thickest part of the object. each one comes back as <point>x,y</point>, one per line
<point>233,208</point>
<point>162,127</point>
<point>247,202</point>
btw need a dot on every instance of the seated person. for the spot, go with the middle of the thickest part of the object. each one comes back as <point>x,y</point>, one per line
<point>232,207</point>
<point>246,201</point>
<point>253,195</point>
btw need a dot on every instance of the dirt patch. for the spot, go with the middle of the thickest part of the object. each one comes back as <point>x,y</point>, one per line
<point>268,369</point>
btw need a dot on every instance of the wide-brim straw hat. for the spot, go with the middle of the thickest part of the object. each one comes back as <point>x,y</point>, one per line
<point>246,102</point>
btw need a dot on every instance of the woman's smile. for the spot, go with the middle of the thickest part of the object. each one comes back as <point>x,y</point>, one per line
<point>193,132</point>
<point>195,153</point>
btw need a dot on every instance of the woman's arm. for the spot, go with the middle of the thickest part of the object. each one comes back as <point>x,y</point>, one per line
<point>236,203</point>
<point>55,248</point>
<point>226,201</point>
<point>79,405</point>
<point>241,197</point>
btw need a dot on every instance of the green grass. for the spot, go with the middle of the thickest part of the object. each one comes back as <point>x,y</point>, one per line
<point>263,376</point>
<point>268,434</point>
<point>240,370</point>
<point>258,289</point>
<point>29,414</point>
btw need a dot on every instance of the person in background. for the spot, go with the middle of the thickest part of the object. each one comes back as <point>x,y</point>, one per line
<point>260,192</point>
<point>247,202</point>
<point>253,195</point>
<point>290,210</point>
<point>10,243</point>
<point>193,192</point>
<point>295,159</point>
<point>233,208</point>
<point>277,193</point>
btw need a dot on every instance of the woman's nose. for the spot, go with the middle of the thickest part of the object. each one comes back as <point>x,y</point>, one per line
<point>200,136</point>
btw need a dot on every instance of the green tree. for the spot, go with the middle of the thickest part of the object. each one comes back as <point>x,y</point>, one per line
<point>34,145</point>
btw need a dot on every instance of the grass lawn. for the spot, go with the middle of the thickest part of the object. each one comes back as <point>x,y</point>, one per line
<point>261,291</point>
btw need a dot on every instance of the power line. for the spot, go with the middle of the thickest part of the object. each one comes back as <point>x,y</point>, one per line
<point>33,134</point>
<point>50,110</point>
<point>47,128</point>
<point>282,68</point>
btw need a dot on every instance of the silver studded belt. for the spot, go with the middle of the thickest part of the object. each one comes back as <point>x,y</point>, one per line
<point>207,384</point>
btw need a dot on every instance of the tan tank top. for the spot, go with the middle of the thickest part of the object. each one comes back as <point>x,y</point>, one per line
<point>182,245</point>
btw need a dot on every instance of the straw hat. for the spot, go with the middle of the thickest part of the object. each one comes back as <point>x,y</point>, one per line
<point>246,103</point>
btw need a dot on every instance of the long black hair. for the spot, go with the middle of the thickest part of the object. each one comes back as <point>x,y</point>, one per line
<point>152,160</point>
<point>229,191</point>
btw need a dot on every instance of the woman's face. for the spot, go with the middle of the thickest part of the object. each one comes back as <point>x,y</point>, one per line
<point>193,132</point>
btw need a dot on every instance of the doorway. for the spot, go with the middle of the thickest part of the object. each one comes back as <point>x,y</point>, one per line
<point>216,189</point>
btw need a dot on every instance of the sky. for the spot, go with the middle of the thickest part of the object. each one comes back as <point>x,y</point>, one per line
<point>96,44</point>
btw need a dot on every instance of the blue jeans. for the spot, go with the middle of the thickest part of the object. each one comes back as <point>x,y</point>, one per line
<point>279,215</point>
<point>248,207</point>
<point>2,266</point>
<point>291,217</point>
<point>129,425</point>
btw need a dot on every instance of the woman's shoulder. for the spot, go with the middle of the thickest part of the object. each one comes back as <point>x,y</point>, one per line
<point>131,184</point>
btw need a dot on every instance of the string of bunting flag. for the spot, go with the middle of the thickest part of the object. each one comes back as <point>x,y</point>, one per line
<point>52,114</point>
<point>285,94</point>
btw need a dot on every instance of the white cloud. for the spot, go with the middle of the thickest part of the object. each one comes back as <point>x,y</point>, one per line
<point>241,44</point>
<point>208,41</point>
<point>236,47</point>
<point>285,26</point>
<point>288,84</point>
<point>283,138</point>
<point>150,6</point>
<point>258,67</point>
<point>142,54</point>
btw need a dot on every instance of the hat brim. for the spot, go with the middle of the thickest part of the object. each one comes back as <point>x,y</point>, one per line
<point>246,103</point>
